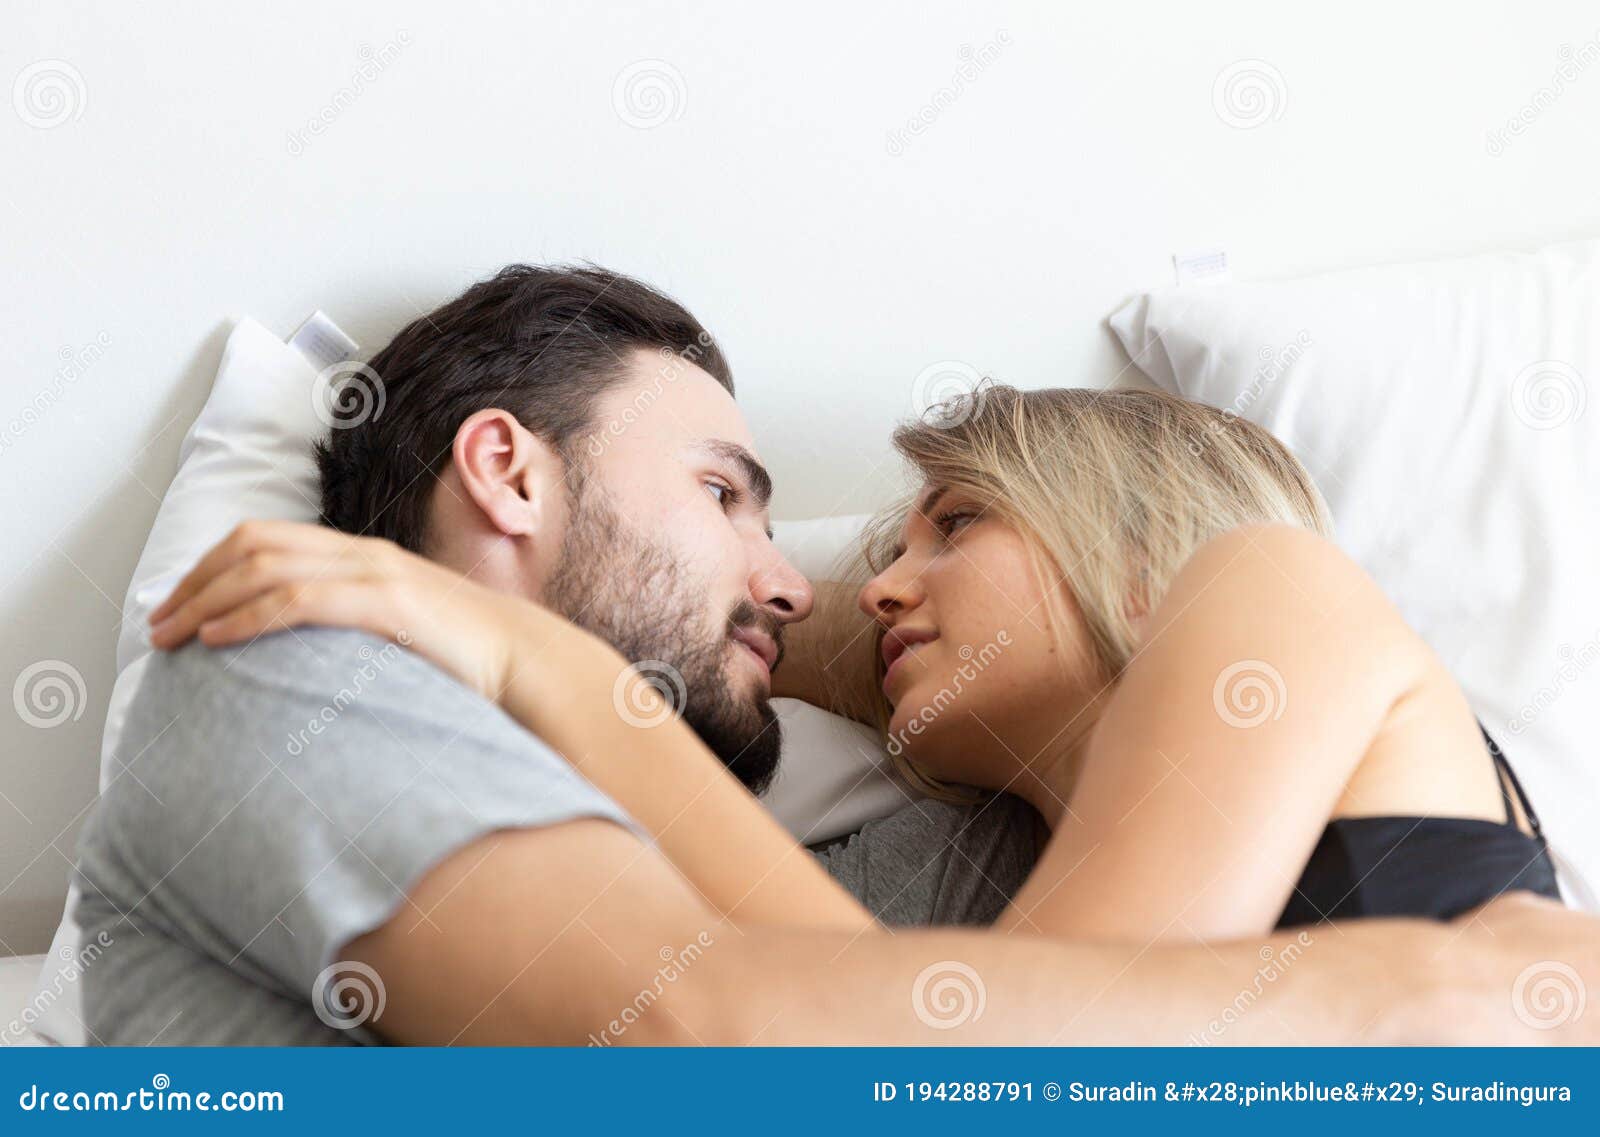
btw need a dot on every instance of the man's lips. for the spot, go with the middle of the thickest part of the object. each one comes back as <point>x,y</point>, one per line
<point>763,646</point>
<point>897,641</point>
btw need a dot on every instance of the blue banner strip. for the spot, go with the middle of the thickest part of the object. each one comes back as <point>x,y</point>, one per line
<point>756,1092</point>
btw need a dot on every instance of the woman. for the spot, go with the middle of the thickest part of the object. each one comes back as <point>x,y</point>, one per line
<point>1120,606</point>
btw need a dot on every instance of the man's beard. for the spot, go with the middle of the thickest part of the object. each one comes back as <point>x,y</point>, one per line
<point>639,598</point>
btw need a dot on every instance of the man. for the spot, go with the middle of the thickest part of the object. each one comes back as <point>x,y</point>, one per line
<point>321,838</point>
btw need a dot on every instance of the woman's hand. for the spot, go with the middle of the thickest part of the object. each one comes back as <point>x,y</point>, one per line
<point>269,575</point>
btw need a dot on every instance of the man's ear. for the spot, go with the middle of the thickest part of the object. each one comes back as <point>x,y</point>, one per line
<point>515,478</point>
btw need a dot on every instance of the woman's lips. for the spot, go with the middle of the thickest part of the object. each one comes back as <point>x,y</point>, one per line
<point>889,675</point>
<point>897,645</point>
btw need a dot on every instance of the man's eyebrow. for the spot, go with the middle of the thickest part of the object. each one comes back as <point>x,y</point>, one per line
<point>754,472</point>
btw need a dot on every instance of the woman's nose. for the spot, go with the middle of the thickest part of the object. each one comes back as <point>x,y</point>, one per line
<point>894,589</point>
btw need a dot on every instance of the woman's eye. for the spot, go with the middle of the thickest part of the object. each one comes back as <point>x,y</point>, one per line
<point>955,520</point>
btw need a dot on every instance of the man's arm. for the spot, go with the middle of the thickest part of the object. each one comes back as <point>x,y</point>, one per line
<point>579,933</point>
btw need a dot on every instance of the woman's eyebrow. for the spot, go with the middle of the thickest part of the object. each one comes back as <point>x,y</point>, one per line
<point>930,498</point>
<point>921,508</point>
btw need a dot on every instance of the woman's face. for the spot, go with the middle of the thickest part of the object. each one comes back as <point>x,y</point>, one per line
<point>975,677</point>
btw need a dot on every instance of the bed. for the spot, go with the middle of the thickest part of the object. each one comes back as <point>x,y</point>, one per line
<point>853,252</point>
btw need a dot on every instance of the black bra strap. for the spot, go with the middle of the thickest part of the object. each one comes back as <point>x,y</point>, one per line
<point>1503,774</point>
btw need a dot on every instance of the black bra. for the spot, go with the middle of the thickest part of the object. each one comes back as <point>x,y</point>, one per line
<point>1434,867</point>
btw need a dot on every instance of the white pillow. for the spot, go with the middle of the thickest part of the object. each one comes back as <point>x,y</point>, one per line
<point>248,454</point>
<point>835,775</point>
<point>1441,409</point>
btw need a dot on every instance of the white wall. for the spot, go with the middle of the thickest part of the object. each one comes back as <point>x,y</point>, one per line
<point>1058,182</point>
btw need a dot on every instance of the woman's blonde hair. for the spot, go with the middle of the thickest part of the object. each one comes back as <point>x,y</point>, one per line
<point>1112,490</point>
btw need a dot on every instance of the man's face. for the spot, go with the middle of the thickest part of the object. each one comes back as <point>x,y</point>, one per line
<point>668,556</point>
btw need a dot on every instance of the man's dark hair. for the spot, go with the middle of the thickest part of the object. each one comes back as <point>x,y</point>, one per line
<point>542,342</point>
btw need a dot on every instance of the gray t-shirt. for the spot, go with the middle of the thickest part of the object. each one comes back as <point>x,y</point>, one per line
<point>274,802</point>
<point>935,863</point>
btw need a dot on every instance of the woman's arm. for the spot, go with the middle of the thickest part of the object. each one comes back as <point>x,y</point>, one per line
<point>562,683</point>
<point>569,688</point>
<point>1269,669</point>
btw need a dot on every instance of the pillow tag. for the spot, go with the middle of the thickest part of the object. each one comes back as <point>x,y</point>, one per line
<point>323,342</point>
<point>1203,266</point>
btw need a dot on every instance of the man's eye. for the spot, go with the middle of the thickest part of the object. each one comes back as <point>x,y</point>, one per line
<point>725,494</point>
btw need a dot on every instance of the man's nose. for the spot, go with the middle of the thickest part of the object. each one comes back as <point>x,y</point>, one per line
<point>780,588</point>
